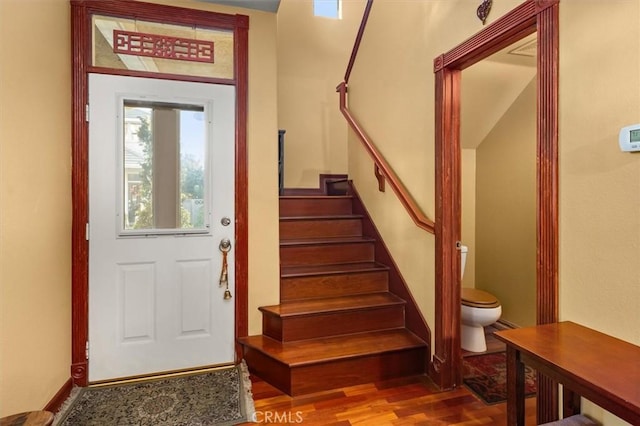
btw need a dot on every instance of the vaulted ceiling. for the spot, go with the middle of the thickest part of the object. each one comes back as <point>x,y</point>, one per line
<point>489,87</point>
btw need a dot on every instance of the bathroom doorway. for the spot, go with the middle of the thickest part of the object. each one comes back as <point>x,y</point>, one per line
<point>528,18</point>
<point>498,185</point>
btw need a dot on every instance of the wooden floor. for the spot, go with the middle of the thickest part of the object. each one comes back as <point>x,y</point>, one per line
<point>408,401</point>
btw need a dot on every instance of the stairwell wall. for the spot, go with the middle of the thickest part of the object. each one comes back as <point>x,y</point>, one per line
<point>391,93</point>
<point>313,53</point>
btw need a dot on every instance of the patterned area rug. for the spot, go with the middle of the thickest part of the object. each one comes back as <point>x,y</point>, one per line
<point>486,376</point>
<point>221,397</point>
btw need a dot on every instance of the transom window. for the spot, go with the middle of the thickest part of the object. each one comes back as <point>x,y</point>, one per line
<point>145,46</point>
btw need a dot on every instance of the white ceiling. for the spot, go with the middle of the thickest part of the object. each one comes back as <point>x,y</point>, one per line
<point>264,5</point>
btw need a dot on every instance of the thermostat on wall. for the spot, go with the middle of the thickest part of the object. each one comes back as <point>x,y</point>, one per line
<point>630,138</point>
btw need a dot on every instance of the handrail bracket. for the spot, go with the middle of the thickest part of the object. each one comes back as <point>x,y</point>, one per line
<point>379,176</point>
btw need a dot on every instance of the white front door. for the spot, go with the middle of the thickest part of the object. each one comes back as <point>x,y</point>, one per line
<point>161,183</point>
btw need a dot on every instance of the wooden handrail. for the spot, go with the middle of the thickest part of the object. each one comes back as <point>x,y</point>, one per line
<point>356,45</point>
<point>418,217</point>
<point>382,168</point>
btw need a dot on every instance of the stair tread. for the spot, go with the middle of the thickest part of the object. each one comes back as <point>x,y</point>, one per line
<point>333,304</point>
<point>326,240</point>
<point>305,352</point>
<point>322,217</point>
<point>338,268</point>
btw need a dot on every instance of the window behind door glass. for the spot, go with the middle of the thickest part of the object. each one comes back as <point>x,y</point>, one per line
<point>164,167</point>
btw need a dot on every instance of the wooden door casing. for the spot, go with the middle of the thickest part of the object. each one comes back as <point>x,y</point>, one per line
<point>529,17</point>
<point>81,12</point>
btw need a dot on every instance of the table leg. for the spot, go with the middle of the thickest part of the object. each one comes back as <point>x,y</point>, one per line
<point>570,402</point>
<point>515,388</point>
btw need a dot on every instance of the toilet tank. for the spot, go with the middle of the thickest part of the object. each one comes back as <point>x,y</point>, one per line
<point>463,259</point>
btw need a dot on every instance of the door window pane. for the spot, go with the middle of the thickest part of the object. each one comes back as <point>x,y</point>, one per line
<point>164,166</point>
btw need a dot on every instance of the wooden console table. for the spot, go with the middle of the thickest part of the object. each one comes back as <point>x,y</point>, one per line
<point>601,368</point>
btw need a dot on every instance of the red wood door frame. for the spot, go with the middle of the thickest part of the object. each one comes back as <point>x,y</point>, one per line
<point>81,12</point>
<point>529,17</point>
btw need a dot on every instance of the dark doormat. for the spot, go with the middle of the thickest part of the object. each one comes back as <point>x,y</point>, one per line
<point>219,397</point>
<point>486,376</point>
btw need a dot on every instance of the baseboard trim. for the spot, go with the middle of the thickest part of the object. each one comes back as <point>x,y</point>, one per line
<point>60,397</point>
<point>505,325</point>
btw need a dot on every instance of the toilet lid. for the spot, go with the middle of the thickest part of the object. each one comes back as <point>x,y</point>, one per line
<point>478,298</point>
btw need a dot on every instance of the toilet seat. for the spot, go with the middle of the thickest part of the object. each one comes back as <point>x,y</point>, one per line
<point>478,299</point>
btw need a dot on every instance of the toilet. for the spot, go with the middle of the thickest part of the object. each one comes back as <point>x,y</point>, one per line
<point>479,309</point>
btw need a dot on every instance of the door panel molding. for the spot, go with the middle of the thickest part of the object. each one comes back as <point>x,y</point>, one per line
<point>81,12</point>
<point>525,19</point>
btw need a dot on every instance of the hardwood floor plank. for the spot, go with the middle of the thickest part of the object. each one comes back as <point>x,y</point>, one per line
<point>407,401</point>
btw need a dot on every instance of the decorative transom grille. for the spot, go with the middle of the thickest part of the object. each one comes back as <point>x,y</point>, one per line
<point>162,46</point>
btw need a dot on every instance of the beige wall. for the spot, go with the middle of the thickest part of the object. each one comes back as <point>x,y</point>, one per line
<point>468,189</point>
<point>489,88</point>
<point>599,185</point>
<point>313,53</point>
<point>506,211</point>
<point>35,242</point>
<point>35,136</point>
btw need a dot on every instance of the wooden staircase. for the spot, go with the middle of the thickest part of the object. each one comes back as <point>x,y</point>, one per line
<point>337,324</point>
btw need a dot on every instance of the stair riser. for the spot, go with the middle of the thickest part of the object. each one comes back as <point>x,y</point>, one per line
<point>333,285</point>
<point>315,207</point>
<point>289,329</point>
<point>320,228</point>
<point>268,369</point>
<point>326,254</point>
<point>351,372</point>
<point>318,377</point>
